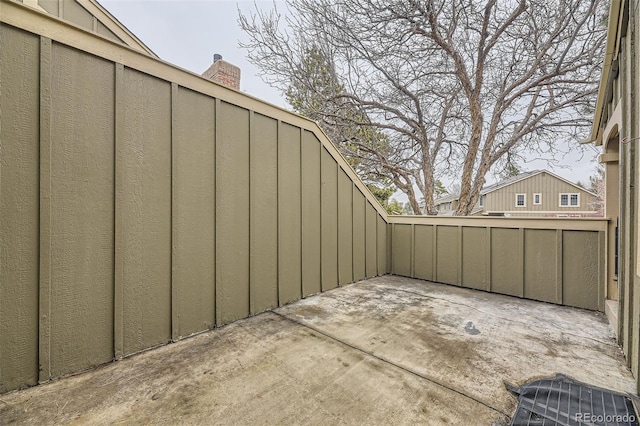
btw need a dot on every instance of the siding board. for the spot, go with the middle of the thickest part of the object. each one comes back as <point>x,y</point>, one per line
<point>582,269</point>
<point>19,204</point>
<point>82,205</point>
<point>447,258</point>
<point>311,215</point>
<point>474,258</point>
<point>382,246</point>
<point>359,242</point>
<point>401,250</point>
<point>540,265</point>
<point>264,214</point>
<point>506,262</point>
<point>371,241</point>
<point>78,15</point>
<point>423,249</point>
<point>289,214</point>
<point>232,214</point>
<point>145,194</point>
<point>345,228</point>
<point>329,210</point>
<point>194,212</point>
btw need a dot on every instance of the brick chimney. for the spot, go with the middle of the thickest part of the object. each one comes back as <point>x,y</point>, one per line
<point>223,72</point>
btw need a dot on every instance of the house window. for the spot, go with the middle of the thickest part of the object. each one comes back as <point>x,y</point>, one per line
<point>537,199</point>
<point>569,200</point>
<point>520,200</point>
<point>482,201</point>
<point>573,200</point>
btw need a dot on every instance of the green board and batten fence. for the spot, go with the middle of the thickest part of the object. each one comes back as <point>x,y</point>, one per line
<point>552,260</point>
<point>140,203</point>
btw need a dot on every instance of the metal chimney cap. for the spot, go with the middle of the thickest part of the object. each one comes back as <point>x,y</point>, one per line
<point>217,57</point>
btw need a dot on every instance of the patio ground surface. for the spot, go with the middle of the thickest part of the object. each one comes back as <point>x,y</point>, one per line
<point>388,350</point>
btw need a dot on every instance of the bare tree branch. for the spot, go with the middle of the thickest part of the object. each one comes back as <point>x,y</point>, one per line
<point>422,89</point>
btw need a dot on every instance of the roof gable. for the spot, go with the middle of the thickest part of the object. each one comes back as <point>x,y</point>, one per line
<point>90,15</point>
<point>510,181</point>
<point>528,175</point>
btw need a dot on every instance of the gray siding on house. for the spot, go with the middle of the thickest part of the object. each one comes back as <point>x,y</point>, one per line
<point>499,199</point>
<point>549,186</point>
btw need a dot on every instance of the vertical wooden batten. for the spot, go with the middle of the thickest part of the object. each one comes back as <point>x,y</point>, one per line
<point>488,258</point>
<point>45,212</point>
<point>174,286</point>
<point>520,266</point>
<point>118,308</point>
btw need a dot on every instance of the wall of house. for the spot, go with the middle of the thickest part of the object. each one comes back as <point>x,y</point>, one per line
<point>551,260</point>
<point>616,129</point>
<point>622,121</point>
<point>629,227</point>
<point>141,203</point>
<point>504,199</point>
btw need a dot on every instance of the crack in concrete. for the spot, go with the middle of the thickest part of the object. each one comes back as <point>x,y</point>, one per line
<point>389,362</point>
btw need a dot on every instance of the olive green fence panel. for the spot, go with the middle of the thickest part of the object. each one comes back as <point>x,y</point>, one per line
<point>311,215</point>
<point>19,207</point>
<point>140,203</point>
<point>552,260</point>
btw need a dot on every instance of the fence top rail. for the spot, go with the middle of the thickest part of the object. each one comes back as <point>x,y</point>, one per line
<point>577,224</point>
<point>24,17</point>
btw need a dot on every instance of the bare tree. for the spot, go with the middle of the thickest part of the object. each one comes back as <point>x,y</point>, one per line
<point>459,87</point>
<point>596,186</point>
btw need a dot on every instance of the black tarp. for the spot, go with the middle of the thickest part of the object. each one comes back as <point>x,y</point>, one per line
<point>563,401</point>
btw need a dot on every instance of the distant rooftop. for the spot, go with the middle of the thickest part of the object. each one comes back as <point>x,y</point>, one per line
<point>509,181</point>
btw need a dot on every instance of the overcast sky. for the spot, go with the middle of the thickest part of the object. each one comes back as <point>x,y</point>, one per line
<point>188,33</point>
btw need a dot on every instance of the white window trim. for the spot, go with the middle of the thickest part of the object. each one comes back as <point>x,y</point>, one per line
<point>539,197</point>
<point>525,200</point>
<point>481,201</point>
<point>568,194</point>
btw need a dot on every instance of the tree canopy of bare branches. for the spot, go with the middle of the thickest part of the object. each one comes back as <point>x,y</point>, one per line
<point>458,87</point>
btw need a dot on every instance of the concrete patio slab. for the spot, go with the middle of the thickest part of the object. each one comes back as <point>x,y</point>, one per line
<point>388,350</point>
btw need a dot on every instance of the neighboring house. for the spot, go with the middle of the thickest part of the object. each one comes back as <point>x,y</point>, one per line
<point>447,205</point>
<point>535,193</point>
<point>90,15</point>
<point>616,130</point>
